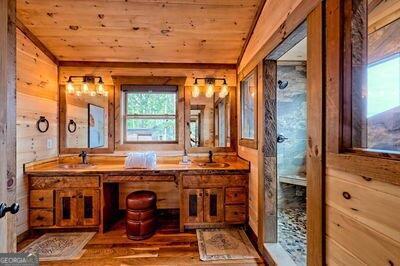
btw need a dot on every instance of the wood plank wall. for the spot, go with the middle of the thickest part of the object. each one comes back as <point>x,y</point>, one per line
<point>362,197</point>
<point>37,90</point>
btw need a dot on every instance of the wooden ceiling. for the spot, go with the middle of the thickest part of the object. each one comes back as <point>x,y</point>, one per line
<point>179,31</point>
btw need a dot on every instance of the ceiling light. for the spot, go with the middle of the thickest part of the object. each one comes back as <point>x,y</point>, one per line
<point>224,90</point>
<point>70,86</point>
<point>195,89</point>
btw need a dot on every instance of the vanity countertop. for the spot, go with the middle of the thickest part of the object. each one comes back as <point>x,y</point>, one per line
<point>115,167</point>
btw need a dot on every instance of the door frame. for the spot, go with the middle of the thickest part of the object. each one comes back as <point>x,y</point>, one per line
<point>313,28</point>
<point>8,241</point>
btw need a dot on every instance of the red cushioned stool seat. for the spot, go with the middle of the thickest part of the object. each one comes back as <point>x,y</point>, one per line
<point>141,220</point>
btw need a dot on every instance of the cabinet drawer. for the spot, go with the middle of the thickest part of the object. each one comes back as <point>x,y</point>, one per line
<point>235,213</point>
<point>235,195</point>
<point>210,181</point>
<point>43,182</point>
<point>41,218</point>
<point>41,199</point>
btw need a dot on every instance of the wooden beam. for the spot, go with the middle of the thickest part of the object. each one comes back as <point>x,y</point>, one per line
<point>145,65</point>
<point>36,41</point>
<point>315,162</point>
<point>269,216</point>
<point>8,122</point>
<point>251,30</point>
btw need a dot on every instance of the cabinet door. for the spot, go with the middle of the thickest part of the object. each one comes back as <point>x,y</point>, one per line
<point>213,205</point>
<point>88,207</point>
<point>66,208</point>
<point>193,205</point>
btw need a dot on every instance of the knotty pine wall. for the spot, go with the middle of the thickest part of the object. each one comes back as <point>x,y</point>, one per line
<point>167,192</point>
<point>253,155</point>
<point>365,229</point>
<point>37,95</point>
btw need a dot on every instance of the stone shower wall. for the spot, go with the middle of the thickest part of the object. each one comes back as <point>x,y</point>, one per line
<point>292,123</point>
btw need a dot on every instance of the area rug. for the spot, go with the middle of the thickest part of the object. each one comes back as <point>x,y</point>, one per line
<point>59,246</point>
<point>224,244</point>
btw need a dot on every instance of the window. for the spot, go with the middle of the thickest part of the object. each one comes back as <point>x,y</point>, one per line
<point>150,113</point>
<point>248,115</point>
<point>375,75</point>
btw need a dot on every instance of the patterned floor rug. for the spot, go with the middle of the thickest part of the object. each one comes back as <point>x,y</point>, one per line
<point>224,244</point>
<point>59,246</point>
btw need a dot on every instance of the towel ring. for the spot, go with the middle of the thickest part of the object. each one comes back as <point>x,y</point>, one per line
<point>42,119</point>
<point>71,126</point>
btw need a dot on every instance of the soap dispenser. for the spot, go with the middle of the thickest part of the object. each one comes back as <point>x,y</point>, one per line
<point>185,158</point>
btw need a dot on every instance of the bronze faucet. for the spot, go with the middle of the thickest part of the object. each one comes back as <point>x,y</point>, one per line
<point>84,156</point>
<point>210,156</point>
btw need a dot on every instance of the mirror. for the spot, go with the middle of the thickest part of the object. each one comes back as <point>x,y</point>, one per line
<point>85,121</point>
<point>210,121</point>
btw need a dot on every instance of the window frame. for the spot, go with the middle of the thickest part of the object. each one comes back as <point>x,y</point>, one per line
<point>354,80</point>
<point>128,89</point>
<point>246,142</point>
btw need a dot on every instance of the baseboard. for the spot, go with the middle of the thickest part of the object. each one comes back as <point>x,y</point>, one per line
<point>23,236</point>
<point>254,240</point>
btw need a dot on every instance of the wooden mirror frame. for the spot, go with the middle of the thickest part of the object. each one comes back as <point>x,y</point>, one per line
<point>63,125</point>
<point>233,124</point>
<point>249,143</point>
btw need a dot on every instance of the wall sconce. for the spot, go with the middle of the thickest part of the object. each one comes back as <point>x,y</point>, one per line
<point>85,89</point>
<point>210,87</point>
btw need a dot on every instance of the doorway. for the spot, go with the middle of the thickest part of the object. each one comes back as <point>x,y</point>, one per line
<point>293,147</point>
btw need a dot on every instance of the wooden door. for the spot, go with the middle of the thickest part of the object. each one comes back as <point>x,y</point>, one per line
<point>213,205</point>
<point>8,241</point>
<point>88,207</point>
<point>193,205</point>
<point>66,208</point>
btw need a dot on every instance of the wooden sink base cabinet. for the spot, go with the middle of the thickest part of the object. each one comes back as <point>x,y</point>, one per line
<point>71,199</point>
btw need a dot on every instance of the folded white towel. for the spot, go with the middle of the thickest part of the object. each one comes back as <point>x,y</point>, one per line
<point>141,160</point>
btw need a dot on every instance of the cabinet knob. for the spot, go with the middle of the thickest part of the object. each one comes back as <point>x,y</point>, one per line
<point>40,218</point>
<point>200,194</point>
<point>41,199</point>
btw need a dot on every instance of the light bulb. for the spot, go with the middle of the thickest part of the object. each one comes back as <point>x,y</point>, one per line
<point>85,86</point>
<point>78,93</point>
<point>70,86</point>
<point>195,90</point>
<point>210,90</point>
<point>100,87</point>
<point>224,90</point>
<point>92,93</point>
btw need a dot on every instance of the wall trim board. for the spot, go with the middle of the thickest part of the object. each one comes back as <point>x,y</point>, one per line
<point>146,65</point>
<point>293,20</point>
<point>385,170</point>
<point>251,31</point>
<point>36,41</point>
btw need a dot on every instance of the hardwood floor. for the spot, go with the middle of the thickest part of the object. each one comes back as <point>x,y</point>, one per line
<point>166,247</point>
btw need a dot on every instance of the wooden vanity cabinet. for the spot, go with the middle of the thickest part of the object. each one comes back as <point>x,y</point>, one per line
<point>78,207</point>
<point>214,200</point>
<point>72,201</point>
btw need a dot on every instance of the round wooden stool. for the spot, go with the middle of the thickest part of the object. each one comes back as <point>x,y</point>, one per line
<point>141,220</point>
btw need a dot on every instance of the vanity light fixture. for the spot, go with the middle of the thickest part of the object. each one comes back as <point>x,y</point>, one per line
<point>100,87</point>
<point>224,90</point>
<point>86,88</point>
<point>195,89</point>
<point>210,87</point>
<point>70,86</point>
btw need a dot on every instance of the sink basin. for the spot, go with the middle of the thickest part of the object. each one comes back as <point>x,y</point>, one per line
<point>216,165</point>
<point>75,166</point>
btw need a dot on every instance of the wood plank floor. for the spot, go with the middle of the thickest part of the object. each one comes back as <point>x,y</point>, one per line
<point>166,247</point>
